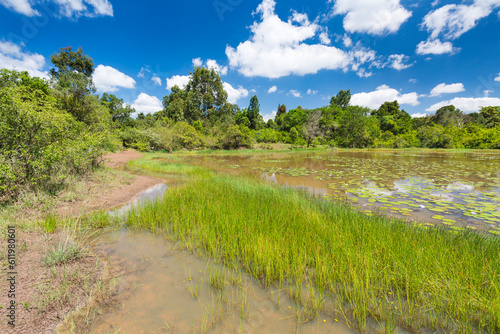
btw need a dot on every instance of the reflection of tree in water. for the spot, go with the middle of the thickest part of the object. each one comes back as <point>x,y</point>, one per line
<point>270,179</point>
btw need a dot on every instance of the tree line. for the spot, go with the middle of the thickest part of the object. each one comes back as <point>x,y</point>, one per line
<point>51,130</point>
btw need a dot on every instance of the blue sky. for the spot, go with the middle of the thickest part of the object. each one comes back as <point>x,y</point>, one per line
<point>425,54</point>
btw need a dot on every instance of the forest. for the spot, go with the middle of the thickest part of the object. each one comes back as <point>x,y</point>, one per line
<point>50,129</point>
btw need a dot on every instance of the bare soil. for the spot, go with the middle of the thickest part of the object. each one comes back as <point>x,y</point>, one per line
<point>45,295</point>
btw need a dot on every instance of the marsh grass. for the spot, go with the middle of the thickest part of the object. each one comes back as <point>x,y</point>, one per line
<point>378,268</point>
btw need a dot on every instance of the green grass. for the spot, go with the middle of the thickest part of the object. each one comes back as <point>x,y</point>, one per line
<point>364,267</point>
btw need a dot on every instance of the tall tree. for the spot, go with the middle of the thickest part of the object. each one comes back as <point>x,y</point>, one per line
<point>72,77</point>
<point>312,128</point>
<point>253,113</point>
<point>205,94</point>
<point>342,99</point>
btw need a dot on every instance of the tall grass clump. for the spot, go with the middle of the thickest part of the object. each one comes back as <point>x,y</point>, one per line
<point>371,267</point>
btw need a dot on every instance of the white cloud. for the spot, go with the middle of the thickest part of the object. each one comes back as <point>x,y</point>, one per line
<point>443,88</point>
<point>398,62</point>
<point>20,6</point>
<point>234,94</point>
<point>213,64</point>
<point>419,115</point>
<point>267,117</point>
<point>179,80</point>
<point>109,79</point>
<point>383,94</point>
<point>12,57</point>
<point>467,104</point>
<point>146,104</point>
<point>197,62</point>
<point>156,80</point>
<point>295,93</point>
<point>487,92</point>
<point>412,80</point>
<point>435,47</point>
<point>452,21</point>
<point>272,89</point>
<point>311,92</point>
<point>77,8</point>
<point>371,16</point>
<point>324,39</point>
<point>347,41</point>
<point>277,48</point>
<point>497,78</point>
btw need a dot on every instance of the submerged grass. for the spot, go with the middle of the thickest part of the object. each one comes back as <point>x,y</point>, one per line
<point>370,267</point>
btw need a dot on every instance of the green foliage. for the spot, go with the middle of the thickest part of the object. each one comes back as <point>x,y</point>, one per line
<point>205,94</point>
<point>342,99</point>
<point>354,128</point>
<point>41,145</point>
<point>253,114</point>
<point>119,112</point>
<point>236,137</point>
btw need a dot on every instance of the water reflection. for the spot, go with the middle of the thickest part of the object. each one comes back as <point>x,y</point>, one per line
<point>461,190</point>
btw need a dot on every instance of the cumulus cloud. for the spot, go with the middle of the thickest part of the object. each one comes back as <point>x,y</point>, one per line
<point>467,104</point>
<point>109,79</point>
<point>146,104</point>
<point>324,39</point>
<point>311,92</point>
<point>68,8</point>
<point>20,6</point>
<point>197,62</point>
<point>234,94</point>
<point>267,117</point>
<point>435,47</point>
<point>418,115</point>
<point>272,89</point>
<point>452,21</point>
<point>156,80</point>
<point>213,64</point>
<point>383,94</point>
<point>399,62</point>
<point>375,17</point>
<point>277,48</point>
<point>179,80</point>
<point>12,57</point>
<point>295,93</point>
<point>497,78</point>
<point>447,89</point>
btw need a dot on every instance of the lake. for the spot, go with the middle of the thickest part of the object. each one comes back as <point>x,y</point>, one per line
<point>457,189</point>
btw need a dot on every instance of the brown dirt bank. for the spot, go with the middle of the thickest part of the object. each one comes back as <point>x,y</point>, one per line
<point>47,294</point>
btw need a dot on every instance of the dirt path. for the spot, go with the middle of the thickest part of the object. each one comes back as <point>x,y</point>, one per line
<point>46,294</point>
<point>104,196</point>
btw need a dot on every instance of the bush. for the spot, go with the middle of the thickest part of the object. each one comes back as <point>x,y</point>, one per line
<point>40,144</point>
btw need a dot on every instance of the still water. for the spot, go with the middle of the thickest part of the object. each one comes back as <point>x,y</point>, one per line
<point>460,190</point>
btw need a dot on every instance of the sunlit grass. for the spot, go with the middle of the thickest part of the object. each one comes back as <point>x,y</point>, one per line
<point>365,267</point>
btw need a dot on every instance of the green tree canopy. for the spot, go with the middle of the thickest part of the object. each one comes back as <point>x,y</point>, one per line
<point>342,99</point>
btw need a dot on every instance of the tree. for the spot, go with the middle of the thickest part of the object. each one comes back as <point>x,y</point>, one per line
<point>448,115</point>
<point>69,61</point>
<point>72,79</point>
<point>253,113</point>
<point>205,94</point>
<point>118,110</point>
<point>392,119</point>
<point>354,128</point>
<point>491,115</point>
<point>312,128</point>
<point>342,99</point>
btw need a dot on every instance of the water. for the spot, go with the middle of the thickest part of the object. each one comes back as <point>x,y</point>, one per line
<point>167,289</point>
<point>460,190</point>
